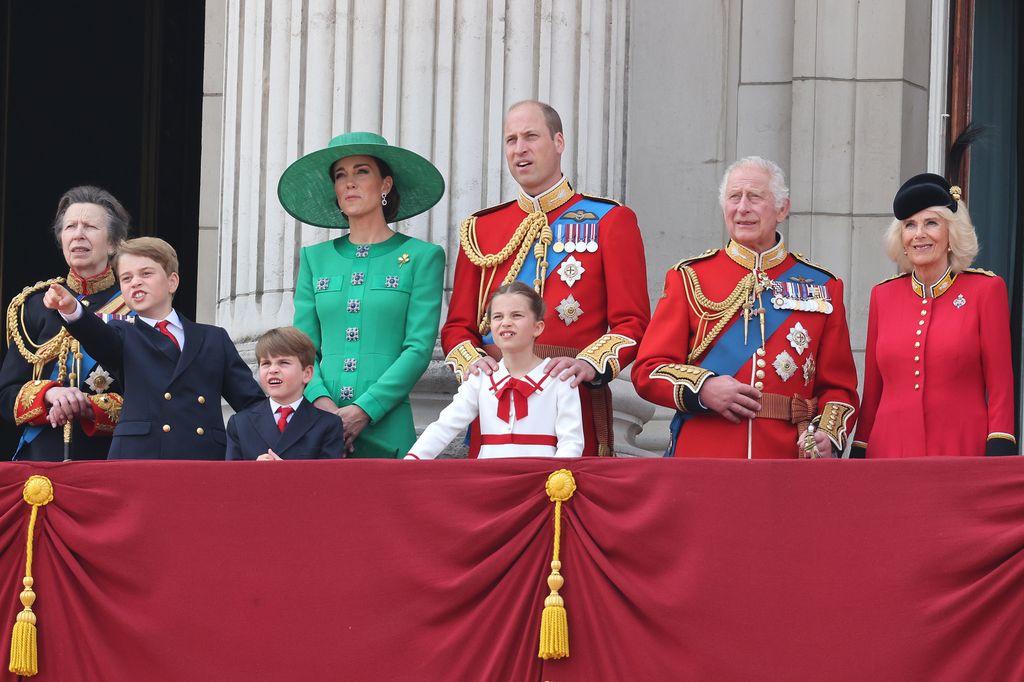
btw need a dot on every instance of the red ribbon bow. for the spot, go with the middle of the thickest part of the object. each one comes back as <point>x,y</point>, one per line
<point>517,390</point>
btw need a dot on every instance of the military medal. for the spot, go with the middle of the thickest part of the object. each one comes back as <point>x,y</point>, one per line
<point>592,244</point>
<point>581,243</point>
<point>558,246</point>
<point>785,365</point>
<point>570,241</point>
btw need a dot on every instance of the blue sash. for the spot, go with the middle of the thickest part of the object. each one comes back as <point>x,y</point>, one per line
<point>30,432</point>
<point>729,353</point>
<point>529,270</point>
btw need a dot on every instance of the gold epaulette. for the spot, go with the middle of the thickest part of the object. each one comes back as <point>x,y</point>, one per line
<point>492,209</point>
<point>605,200</point>
<point>980,271</point>
<point>807,261</point>
<point>896,276</point>
<point>693,259</point>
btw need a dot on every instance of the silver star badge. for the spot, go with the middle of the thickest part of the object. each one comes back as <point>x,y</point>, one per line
<point>799,338</point>
<point>569,310</point>
<point>571,270</point>
<point>785,365</point>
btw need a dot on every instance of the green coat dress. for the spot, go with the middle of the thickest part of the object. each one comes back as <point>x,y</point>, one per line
<point>372,313</point>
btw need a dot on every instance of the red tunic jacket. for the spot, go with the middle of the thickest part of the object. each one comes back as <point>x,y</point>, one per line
<point>937,374</point>
<point>808,356</point>
<point>599,317</point>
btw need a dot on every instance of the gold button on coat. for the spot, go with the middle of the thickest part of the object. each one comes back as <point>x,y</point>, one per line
<point>200,431</point>
<point>167,396</point>
<point>202,400</point>
<point>167,428</point>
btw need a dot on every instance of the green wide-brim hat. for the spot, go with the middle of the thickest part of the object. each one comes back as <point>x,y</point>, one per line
<point>306,189</point>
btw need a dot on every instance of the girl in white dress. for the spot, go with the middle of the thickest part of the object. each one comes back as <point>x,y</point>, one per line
<point>523,411</point>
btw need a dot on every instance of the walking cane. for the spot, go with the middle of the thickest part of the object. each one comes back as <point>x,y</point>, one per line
<point>76,369</point>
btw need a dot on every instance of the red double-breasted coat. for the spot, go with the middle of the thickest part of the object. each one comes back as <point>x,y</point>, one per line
<point>807,356</point>
<point>937,372</point>
<point>597,310</point>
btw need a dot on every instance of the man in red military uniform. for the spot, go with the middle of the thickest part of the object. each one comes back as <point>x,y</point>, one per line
<point>749,344</point>
<point>583,254</point>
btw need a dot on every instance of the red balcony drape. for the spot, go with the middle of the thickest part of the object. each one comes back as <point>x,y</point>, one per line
<point>390,570</point>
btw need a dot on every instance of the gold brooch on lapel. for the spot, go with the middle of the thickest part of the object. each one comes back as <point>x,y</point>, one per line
<point>403,259</point>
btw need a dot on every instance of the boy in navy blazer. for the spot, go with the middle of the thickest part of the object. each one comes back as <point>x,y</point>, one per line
<point>174,371</point>
<point>286,425</point>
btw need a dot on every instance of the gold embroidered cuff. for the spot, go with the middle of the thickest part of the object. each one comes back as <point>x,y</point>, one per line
<point>29,404</point>
<point>106,409</point>
<point>604,353</point>
<point>834,416</point>
<point>461,357</point>
<point>683,377</point>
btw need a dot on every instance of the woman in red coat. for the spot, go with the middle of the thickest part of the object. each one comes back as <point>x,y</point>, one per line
<point>937,375</point>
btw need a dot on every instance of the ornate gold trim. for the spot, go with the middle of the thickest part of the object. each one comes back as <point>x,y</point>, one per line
<point>548,200</point>
<point>834,416</point>
<point>708,310</point>
<point>90,285</point>
<point>461,357</point>
<point>693,259</point>
<point>604,352</point>
<point>935,290</point>
<point>980,271</point>
<point>27,396</point>
<point>110,404</point>
<point>807,261</point>
<point>759,261</point>
<point>683,377</point>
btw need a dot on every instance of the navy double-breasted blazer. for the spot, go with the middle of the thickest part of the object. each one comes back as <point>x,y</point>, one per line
<point>172,398</point>
<point>310,434</point>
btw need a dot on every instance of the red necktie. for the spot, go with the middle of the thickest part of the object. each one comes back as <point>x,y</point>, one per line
<point>282,421</point>
<point>162,326</point>
<point>517,390</point>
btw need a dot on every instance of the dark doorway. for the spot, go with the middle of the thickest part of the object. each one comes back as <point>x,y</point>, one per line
<point>106,93</point>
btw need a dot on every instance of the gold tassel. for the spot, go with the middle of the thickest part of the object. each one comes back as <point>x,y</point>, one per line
<point>554,624</point>
<point>38,491</point>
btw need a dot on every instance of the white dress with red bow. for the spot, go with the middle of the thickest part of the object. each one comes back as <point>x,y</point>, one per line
<point>535,416</point>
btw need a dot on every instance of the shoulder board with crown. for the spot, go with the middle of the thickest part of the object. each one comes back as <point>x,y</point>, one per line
<point>895,277</point>
<point>693,259</point>
<point>980,271</point>
<point>604,200</point>
<point>492,209</point>
<point>807,261</point>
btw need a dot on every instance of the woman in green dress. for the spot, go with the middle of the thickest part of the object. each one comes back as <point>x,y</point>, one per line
<point>369,300</point>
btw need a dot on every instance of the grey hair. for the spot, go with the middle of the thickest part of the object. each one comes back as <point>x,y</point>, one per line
<point>118,219</point>
<point>963,240</point>
<point>776,182</point>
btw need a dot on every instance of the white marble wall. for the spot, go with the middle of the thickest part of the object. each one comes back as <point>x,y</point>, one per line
<point>657,98</point>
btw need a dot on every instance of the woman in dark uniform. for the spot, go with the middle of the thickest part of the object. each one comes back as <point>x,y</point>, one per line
<point>47,380</point>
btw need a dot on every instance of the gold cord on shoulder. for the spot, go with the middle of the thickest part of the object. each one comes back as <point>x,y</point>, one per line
<point>533,229</point>
<point>41,352</point>
<point>719,311</point>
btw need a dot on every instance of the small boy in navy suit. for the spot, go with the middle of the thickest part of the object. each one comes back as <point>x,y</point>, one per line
<point>174,371</point>
<point>286,425</point>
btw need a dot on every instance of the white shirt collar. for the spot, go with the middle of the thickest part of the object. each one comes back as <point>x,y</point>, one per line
<point>275,406</point>
<point>172,319</point>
